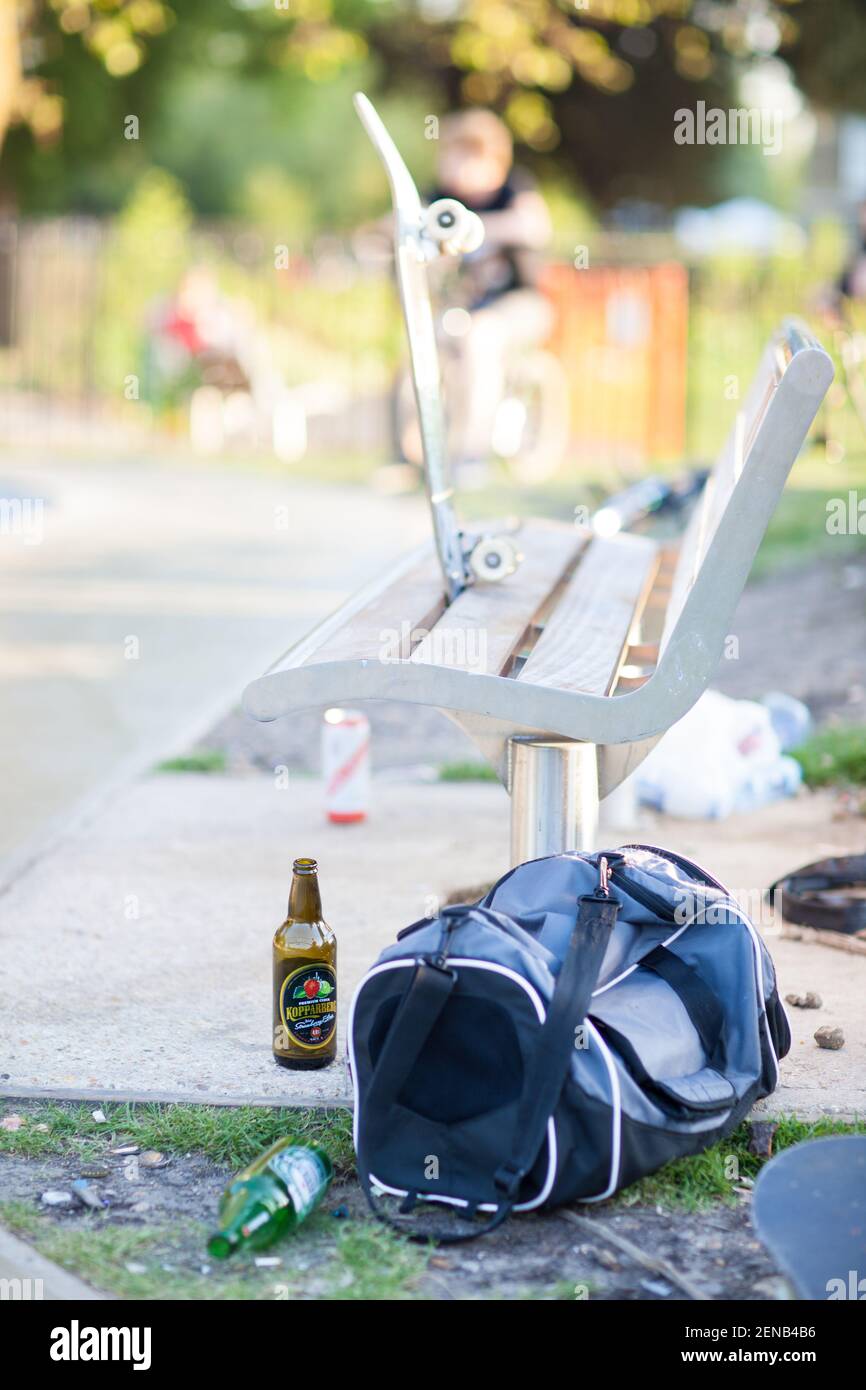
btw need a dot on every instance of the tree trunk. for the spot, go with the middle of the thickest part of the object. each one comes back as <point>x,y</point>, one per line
<point>10,63</point>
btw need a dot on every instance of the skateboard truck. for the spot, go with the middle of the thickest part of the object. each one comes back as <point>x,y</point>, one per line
<point>455,230</point>
<point>446,227</point>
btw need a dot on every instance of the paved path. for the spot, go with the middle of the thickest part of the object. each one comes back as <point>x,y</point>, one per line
<point>27,1276</point>
<point>142,942</point>
<point>136,606</point>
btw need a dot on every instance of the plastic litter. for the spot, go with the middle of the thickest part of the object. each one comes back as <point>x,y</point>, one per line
<point>724,756</point>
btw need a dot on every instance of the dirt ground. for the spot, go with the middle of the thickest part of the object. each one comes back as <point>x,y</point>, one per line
<point>535,1257</point>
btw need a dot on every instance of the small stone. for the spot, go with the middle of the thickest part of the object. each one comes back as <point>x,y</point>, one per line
<point>609,1261</point>
<point>87,1195</point>
<point>133,1267</point>
<point>152,1158</point>
<point>809,1000</point>
<point>832,1038</point>
<point>98,1116</point>
<point>55,1198</point>
<point>774,1287</point>
<point>656,1286</point>
<point>761,1137</point>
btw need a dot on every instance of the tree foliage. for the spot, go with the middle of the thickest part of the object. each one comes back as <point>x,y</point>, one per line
<point>215,84</point>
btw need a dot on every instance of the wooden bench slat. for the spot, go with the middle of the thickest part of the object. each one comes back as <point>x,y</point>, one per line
<point>582,645</point>
<point>484,625</point>
<point>386,627</point>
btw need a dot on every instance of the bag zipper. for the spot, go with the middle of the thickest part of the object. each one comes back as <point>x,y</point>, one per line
<point>694,870</point>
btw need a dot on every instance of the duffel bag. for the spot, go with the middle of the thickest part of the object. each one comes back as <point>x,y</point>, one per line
<point>591,1018</point>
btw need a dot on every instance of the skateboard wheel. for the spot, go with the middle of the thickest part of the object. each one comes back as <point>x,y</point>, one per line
<point>494,558</point>
<point>453,227</point>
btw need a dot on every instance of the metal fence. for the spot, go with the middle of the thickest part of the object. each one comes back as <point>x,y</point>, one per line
<point>651,352</point>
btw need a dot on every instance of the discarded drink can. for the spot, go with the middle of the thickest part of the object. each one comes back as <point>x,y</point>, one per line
<point>346,764</point>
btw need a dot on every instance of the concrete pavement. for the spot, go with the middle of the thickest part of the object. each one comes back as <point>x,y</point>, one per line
<point>135,955</point>
<point>26,1276</point>
<point>138,599</point>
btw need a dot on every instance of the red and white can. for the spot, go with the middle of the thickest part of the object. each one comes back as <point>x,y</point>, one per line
<point>346,765</point>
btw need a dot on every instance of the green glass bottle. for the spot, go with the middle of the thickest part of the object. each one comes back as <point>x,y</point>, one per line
<point>271,1197</point>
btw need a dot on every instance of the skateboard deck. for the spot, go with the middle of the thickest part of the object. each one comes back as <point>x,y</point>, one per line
<point>809,1210</point>
<point>420,235</point>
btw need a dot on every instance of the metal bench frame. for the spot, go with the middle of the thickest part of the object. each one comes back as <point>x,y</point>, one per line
<point>599,644</point>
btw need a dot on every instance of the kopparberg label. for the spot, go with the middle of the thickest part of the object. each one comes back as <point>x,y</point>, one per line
<point>308,1005</point>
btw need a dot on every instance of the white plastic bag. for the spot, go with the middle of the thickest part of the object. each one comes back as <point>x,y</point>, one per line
<point>723,756</point>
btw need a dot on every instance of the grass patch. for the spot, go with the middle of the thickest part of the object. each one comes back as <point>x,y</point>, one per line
<point>225,1134</point>
<point>350,1259</point>
<point>798,531</point>
<point>358,1260</point>
<point>467,772</point>
<point>834,755</point>
<point>372,1262</point>
<point>99,1253</point>
<point>697,1182</point>
<point>208,760</point>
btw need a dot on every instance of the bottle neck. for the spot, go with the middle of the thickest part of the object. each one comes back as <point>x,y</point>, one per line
<point>237,1230</point>
<point>305,903</point>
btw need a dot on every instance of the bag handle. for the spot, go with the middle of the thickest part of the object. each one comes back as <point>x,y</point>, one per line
<point>423,1002</point>
<point>547,1068</point>
<point>414,1021</point>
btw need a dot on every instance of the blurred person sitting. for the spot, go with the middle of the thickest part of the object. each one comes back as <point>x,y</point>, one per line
<point>496,285</point>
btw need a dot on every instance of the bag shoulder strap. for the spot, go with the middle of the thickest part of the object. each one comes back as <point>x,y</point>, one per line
<point>549,1064</point>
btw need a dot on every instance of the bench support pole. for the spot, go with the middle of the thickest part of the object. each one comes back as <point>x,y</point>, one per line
<point>554,796</point>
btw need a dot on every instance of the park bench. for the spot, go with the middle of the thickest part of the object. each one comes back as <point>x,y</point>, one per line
<point>568,672</point>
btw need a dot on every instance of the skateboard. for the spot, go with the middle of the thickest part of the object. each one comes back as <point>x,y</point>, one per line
<point>420,235</point>
<point>809,1210</point>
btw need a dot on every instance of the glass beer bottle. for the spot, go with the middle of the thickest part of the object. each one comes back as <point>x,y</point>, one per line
<point>271,1197</point>
<point>305,977</point>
